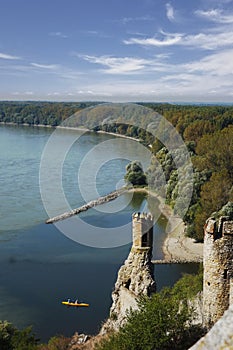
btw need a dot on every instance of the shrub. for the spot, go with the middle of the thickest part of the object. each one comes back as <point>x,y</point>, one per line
<point>162,322</point>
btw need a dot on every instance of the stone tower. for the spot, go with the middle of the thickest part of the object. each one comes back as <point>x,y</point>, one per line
<point>142,227</point>
<point>136,275</point>
<point>218,269</point>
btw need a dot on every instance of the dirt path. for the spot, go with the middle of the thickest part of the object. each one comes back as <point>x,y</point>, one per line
<point>177,246</point>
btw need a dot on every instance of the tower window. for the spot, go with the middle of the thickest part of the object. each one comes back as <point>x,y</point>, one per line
<point>225,274</point>
<point>145,240</point>
<point>128,284</point>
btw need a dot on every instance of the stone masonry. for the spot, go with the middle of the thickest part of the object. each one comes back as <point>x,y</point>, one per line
<point>135,277</point>
<point>218,269</point>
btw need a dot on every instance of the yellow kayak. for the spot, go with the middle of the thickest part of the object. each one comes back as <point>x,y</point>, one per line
<point>77,304</point>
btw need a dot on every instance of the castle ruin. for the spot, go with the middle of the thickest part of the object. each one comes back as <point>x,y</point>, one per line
<point>136,276</point>
<point>218,269</point>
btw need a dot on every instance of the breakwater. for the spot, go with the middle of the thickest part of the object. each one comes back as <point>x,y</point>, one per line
<point>173,261</point>
<point>101,200</point>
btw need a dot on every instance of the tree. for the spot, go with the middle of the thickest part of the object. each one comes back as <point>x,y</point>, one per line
<point>56,343</point>
<point>157,146</point>
<point>162,322</point>
<point>197,129</point>
<point>215,152</point>
<point>135,174</point>
<point>13,339</point>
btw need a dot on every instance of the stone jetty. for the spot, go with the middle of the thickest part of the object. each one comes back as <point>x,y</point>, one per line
<point>101,200</point>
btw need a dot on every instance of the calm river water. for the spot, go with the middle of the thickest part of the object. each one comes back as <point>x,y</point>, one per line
<point>40,266</point>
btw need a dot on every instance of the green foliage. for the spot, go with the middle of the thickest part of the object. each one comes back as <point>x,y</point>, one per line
<point>211,149</point>
<point>135,174</point>
<point>217,151</point>
<point>162,322</point>
<point>34,113</point>
<point>56,343</point>
<point>13,339</point>
<point>157,146</point>
<point>197,129</point>
<point>6,333</point>
<point>226,210</point>
<point>214,194</point>
<point>189,285</point>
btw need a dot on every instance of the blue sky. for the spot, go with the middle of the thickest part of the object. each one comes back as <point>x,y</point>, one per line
<point>116,50</point>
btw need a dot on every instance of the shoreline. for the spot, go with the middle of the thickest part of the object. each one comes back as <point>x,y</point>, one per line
<point>71,128</point>
<point>177,247</point>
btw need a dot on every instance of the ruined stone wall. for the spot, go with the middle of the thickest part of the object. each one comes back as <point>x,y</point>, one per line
<point>135,277</point>
<point>218,269</point>
<point>220,337</point>
<point>231,292</point>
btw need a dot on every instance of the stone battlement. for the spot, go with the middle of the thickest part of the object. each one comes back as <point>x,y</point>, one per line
<point>142,216</point>
<point>227,228</point>
<point>219,229</point>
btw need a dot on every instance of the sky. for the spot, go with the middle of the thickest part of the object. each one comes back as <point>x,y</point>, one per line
<point>116,50</point>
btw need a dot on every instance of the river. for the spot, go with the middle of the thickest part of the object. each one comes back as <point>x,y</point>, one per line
<point>40,265</point>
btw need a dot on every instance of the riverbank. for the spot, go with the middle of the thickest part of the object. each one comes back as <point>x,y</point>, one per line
<point>177,246</point>
<point>83,129</point>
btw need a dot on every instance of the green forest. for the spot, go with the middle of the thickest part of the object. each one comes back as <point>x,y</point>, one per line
<point>207,131</point>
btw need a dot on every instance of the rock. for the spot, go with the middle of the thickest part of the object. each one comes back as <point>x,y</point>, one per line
<point>77,340</point>
<point>220,337</point>
<point>135,278</point>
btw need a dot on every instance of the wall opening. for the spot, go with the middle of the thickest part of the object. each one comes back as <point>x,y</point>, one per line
<point>145,240</point>
<point>225,274</point>
<point>128,283</point>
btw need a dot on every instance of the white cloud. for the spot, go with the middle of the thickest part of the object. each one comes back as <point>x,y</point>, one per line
<point>117,65</point>
<point>170,12</point>
<point>91,32</point>
<point>55,93</point>
<point>58,34</point>
<point>189,87</point>
<point>217,64</point>
<point>216,15</point>
<point>45,66</point>
<point>136,33</point>
<point>208,41</point>
<point>8,57</point>
<point>207,79</point>
<point>95,92</point>
<point>126,20</point>
<point>95,33</point>
<point>170,39</point>
<point>25,93</point>
<point>129,65</point>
